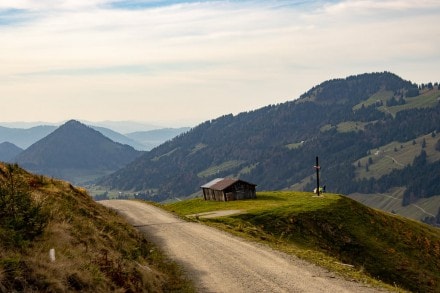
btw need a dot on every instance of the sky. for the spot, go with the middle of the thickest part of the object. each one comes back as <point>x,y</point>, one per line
<point>180,63</point>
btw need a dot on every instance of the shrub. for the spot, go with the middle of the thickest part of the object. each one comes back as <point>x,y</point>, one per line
<point>21,218</point>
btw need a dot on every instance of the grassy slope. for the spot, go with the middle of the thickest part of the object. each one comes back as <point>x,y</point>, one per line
<point>96,250</point>
<point>392,202</point>
<point>333,229</point>
<point>396,155</point>
<point>428,98</point>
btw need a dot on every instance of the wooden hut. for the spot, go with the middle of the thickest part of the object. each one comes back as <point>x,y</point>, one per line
<point>227,189</point>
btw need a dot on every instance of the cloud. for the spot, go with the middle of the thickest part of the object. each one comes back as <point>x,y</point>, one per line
<point>245,53</point>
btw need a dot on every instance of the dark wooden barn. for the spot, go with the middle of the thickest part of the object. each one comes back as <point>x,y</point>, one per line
<point>227,189</point>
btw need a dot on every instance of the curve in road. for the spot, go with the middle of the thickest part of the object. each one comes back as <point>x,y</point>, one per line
<point>219,262</point>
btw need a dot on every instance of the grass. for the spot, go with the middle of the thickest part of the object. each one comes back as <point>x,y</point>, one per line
<point>157,158</point>
<point>392,202</point>
<point>96,250</point>
<point>296,145</point>
<point>343,127</point>
<point>395,155</point>
<point>247,169</point>
<point>335,232</point>
<point>350,126</point>
<point>197,148</point>
<point>428,98</point>
<point>219,168</point>
<point>379,96</point>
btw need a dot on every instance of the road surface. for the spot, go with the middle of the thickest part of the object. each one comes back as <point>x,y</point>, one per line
<point>219,262</point>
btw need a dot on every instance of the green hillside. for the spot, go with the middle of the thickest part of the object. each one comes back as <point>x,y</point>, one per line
<point>392,203</point>
<point>336,232</point>
<point>396,155</point>
<point>344,121</point>
<point>95,250</point>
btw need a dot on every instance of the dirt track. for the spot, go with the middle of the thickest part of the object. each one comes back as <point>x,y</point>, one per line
<point>219,262</point>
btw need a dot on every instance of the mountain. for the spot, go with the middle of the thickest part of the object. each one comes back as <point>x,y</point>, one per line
<point>349,123</point>
<point>77,153</point>
<point>120,138</point>
<point>124,126</point>
<point>23,138</point>
<point>8,151</point>
<point>139,140</point>
<point>154,138</point>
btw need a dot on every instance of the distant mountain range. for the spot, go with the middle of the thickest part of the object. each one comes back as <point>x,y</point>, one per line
<point>8,151</point>
<point>373,133</point>
<point>153,138</point>
<point>140,140</point>
<point>75,152</point>
<point>24,138</point>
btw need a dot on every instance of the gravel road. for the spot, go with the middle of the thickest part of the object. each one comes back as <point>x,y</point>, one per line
<point>219,262</point>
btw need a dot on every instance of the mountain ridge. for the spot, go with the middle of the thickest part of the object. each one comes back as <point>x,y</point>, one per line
<point>25,137</point>
<point>275,146</point>
<point>8,151</point>
<point>75,147</point>
<point>141,140</point>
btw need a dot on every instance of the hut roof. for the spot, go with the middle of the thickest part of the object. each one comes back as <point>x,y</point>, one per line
<point>223,183</point>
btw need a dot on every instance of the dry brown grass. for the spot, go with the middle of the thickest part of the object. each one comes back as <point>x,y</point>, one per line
<point>95,250</point>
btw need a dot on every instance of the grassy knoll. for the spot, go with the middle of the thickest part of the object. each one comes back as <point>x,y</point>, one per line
<point>335,232</point>
<point>95,249</point>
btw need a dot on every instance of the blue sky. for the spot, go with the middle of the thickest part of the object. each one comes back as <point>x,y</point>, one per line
<point>179,63</point>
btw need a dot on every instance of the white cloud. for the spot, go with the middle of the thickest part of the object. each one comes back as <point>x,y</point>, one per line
<point>229,56</point>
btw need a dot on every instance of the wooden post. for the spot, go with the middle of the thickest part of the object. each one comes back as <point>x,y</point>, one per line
<point>317,175</point>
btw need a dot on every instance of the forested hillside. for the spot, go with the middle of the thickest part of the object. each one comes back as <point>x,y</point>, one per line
<point>76,152</point>
<point>341,121</point>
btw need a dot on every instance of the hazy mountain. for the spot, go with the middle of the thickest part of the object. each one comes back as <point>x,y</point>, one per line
<point>118,126</point>
<point>360,127</point>
<point>153,138</point>
<point>77,153</point>
<point>123,139</point>
<point>8,151</point>
<point>124,126</point>
<point>25,137</point>
<point>144,140</point>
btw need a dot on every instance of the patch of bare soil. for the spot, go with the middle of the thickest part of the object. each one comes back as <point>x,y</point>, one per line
<point>216,214</point>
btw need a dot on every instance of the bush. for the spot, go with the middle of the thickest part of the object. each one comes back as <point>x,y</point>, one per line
<point>21,218</point>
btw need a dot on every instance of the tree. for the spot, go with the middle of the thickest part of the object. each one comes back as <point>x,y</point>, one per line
<point>21,218</point>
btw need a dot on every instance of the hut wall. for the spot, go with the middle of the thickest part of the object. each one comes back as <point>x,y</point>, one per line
<point>238,191</point>
<point>210,194</point>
